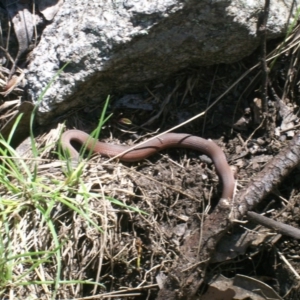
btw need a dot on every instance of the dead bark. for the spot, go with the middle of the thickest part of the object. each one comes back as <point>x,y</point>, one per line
<point>269,178</point>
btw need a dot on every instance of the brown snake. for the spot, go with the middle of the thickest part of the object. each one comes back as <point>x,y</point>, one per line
<point>139,152</point>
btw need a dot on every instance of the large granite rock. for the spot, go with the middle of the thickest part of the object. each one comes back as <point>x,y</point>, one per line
<point>122,45</point>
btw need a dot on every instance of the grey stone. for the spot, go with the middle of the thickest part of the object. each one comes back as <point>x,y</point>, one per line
<point>122,45</point>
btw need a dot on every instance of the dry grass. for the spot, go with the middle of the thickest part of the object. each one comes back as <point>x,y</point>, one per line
<point>55,227</point>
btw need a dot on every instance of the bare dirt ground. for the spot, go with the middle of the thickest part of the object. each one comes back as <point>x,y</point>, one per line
<point>177,188</point>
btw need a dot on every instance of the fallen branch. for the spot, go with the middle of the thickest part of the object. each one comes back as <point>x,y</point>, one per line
<point>269,178</point>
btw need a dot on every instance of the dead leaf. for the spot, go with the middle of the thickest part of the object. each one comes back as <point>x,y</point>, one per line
<point>12,84</point>
<point>22,20</point>
<point>256,286</point>
<point>133,101</point>
<point>237,244</point>
<point>218,294</point>
<point>239,288</point>
<point>49,8</point>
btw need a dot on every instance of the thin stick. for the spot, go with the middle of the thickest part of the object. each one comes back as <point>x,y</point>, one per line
<point>275,225</point>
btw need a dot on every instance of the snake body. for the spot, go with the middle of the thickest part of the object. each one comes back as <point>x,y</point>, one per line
<point>139,152</point>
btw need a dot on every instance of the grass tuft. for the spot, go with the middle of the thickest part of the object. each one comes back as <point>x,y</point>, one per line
<point>35,211</point>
